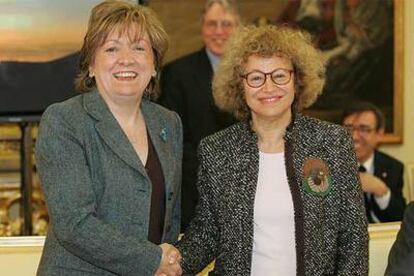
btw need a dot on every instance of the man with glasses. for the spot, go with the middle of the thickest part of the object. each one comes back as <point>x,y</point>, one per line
<point>381,175</point>
<point>186,89</point>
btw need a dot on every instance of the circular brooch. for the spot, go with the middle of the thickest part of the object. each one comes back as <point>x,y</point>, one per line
<point>316,177</point>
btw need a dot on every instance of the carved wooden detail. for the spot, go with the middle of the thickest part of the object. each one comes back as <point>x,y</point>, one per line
<point>10,211</point>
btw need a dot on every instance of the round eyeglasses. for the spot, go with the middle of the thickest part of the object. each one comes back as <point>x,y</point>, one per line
<point>279,76</point>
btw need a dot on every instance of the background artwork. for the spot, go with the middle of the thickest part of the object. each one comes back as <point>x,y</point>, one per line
<point>361,39</point>
<point>39,45</point>
<point>356,38</point>
<point>38,52</point>
<point>42,30</point>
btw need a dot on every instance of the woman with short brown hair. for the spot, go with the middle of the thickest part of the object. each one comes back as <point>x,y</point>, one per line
<point>109,160</point>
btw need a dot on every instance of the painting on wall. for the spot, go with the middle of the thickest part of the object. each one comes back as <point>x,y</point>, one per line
<point>38,53</point>
<point>39,45</point>
<point>362,43</point>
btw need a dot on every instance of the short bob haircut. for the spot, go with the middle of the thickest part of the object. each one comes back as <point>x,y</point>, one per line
<point>267,41</point>
<point>121,16</point>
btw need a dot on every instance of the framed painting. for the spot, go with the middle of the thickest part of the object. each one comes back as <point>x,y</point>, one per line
<point>39,48</point>
<point>362,42</point>
<point>410,186</point>
<point>38,54</point>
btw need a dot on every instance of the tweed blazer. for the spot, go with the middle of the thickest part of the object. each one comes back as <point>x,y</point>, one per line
<point>97,191</point>
<point>330,226</point>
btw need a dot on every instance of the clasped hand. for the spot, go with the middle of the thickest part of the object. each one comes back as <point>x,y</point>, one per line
<point>170,261</point>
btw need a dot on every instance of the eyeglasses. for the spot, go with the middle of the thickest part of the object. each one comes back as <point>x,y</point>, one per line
<point>363,129</point>
<point>225,25</point>
<point>279,76</point>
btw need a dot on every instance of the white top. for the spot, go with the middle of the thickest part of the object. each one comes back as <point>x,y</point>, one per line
<point>274,248</point>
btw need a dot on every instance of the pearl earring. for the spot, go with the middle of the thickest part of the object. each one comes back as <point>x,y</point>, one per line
<point>154,73</point>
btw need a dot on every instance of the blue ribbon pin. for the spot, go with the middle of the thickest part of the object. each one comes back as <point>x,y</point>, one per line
<point>164,134</point>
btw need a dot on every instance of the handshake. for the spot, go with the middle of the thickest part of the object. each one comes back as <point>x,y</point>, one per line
<point>170,261</point>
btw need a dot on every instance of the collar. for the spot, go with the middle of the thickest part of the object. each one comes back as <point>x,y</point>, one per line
<point>214,59</point>
<point>369,164</point>
<point>95,105</point>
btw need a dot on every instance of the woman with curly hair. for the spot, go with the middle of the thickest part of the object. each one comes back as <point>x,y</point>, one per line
<point>279,191</point>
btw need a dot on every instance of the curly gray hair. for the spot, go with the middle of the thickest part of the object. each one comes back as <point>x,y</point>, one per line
<point>266,41</point>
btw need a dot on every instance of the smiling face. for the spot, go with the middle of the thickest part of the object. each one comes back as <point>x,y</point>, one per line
<point>269,101</point>
<point>365,134</point>
<point>121,67</point>
<point>218,25</point>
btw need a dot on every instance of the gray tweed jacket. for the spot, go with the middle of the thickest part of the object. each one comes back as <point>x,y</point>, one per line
<point>330,223</point>
<point>97,191</point>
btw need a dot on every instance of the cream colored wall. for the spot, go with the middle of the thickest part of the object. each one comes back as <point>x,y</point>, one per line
<point>405,151</point>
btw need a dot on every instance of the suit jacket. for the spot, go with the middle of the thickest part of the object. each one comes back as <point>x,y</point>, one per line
<point>330,226</point>
<point>186,89</point>
<point>401,257</point>
<point>391,171</point>
<point>97,191</point>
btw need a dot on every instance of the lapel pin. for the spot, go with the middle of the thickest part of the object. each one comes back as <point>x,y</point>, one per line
<point>164,134</point>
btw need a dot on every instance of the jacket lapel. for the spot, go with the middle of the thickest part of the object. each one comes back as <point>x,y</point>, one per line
<point>380,170</point>
<point>111,132</point>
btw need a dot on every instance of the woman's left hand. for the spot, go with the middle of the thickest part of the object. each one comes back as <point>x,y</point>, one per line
<point>170,261</point>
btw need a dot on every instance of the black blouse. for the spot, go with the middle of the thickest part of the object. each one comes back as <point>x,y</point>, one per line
<point>157,210</point>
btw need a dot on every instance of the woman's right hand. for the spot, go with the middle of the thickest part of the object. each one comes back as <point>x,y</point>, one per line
<point>170,261</point>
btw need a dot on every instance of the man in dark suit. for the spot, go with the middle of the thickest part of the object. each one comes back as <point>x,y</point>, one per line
<point>401,257</point>
<point>381,175</point>
<point>186,89</point>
